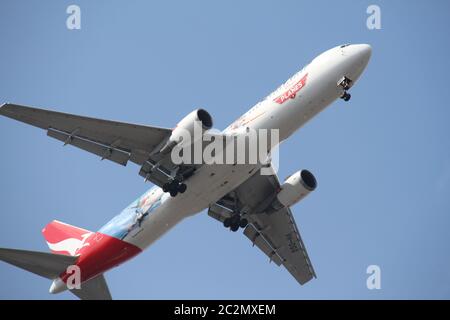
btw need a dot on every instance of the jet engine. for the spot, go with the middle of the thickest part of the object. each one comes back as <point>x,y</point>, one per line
<point>187,126</point>
<point>296,187</point>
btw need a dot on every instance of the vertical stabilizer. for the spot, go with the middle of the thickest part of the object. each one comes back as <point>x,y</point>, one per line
<point>65,239</point>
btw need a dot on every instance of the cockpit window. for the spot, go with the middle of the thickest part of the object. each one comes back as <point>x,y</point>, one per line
<point>345,45</point>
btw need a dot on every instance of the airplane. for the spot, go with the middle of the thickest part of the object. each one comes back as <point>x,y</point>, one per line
<point>237,195</point>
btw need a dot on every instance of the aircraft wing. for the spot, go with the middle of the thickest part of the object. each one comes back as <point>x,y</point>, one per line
<point>115,141</point>
<point>276,233</point>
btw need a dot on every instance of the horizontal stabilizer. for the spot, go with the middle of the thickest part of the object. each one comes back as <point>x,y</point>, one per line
<point>48,265</point>
<point>94,289</point>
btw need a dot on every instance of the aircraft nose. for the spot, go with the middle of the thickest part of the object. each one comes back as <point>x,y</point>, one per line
<point>363,52</point>
<point>357,58</point>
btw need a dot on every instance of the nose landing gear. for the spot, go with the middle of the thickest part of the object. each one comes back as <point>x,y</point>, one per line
<point>346,84</point>
<point>346,96</point>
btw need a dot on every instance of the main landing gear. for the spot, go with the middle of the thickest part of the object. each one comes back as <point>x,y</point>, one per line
<point>346,84</point>
<point>234,222</point>
<point>174,187</point>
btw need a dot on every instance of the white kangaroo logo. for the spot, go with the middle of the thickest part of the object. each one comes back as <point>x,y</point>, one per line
<point>71,245</point>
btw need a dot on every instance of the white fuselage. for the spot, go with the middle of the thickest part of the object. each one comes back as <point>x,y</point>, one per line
<point>204,188</point>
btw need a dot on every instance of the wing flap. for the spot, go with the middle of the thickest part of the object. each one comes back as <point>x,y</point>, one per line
<point>218,212</point>
<point>258,239</point>
<point>100,150</point>
<point>154,172</point>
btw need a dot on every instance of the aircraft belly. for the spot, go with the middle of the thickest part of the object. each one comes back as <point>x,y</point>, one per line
<point>209,184</point>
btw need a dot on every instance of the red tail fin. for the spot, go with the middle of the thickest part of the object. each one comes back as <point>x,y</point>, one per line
<point>63,238</point>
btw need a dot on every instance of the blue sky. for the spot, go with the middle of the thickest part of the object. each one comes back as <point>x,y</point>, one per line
<point>382,160</point>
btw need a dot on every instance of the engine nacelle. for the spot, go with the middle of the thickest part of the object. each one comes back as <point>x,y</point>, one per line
<point>296,187</point>
<point>186,126</point>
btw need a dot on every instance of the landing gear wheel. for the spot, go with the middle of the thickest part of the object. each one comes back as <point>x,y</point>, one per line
<point>182,188</point>
<point>227,222</point>
<point>243,223</point>
<point>346,96</point>
<point>234,227</point>
<point>235,219</point>
<point>174,187</point>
